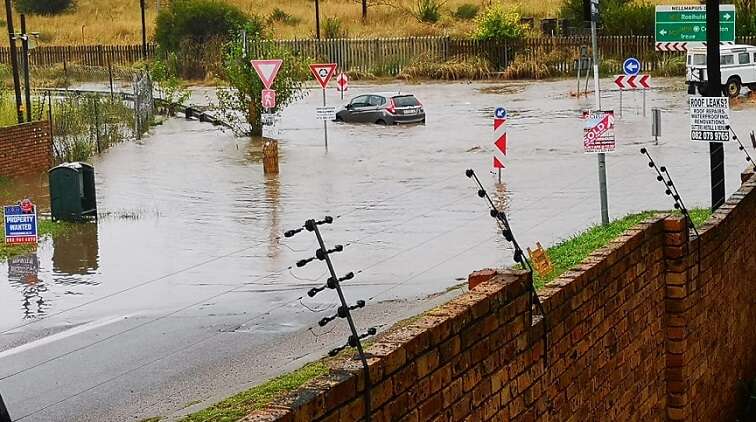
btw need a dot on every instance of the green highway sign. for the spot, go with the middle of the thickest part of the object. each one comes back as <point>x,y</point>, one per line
<point>687,24</point>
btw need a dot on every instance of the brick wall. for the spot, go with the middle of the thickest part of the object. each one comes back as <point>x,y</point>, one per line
<point>25,149</point>
<point>636,332</point>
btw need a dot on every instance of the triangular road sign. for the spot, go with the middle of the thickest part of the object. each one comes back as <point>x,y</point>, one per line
<point>267,70</point>
<point>497,164</point>
<point>323,72</point>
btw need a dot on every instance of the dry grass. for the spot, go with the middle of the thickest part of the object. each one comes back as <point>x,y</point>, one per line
<point>118,21</point>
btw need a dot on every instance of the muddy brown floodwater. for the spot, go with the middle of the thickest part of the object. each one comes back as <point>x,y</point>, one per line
<point>184,290</point>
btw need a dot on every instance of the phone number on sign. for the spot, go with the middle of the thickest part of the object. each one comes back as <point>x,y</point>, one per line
<point>700,135</point>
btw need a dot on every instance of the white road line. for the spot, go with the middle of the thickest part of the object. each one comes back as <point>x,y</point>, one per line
<point>61,335</point>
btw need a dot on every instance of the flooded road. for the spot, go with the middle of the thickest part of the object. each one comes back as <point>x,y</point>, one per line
<point>185,289</point>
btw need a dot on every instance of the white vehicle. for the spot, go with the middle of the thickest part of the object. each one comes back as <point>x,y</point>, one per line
<point>738,65</point>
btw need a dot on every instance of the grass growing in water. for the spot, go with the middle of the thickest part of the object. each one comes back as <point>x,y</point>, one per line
<point>45,228</point>
<point>573,251</point>
<point>239,405</point>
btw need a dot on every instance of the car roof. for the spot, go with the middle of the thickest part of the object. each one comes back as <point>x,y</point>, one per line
<point>388,94</point>
<point>724,48</point>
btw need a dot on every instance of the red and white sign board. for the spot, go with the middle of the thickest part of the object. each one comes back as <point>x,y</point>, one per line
<point>342,82</point>
<point>598,134</point>
<point>500,142</point>
<point>632,82</point>
<point>267,70</point>
<point>323,72</point>
<point>268,98</point>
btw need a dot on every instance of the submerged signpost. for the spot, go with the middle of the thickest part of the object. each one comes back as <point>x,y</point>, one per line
<point>323,73</point>
<point>499,139</point>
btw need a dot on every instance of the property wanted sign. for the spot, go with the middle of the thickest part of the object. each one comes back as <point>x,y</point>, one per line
<point>709,119</point>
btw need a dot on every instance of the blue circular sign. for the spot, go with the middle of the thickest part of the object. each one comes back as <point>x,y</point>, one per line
<point>631,66</point>
<point>500,113</point>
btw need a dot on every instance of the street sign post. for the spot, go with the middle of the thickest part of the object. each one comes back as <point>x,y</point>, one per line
<point>709,119</point>
<point>323,73</point>
<point>267,70</point>
<point>632,82</point>
<point>679,28</point>
<point>499,139</point>
<point>21,223</point>
<point>342,83</point>
<point>598,133</point>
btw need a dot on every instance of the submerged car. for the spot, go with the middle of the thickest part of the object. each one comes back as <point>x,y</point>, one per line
<point>383,108</point>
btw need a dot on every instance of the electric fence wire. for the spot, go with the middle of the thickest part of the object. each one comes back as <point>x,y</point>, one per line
<point>206,339</point>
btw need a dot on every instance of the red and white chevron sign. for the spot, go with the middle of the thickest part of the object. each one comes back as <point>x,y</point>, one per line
<point>500,143</point>
<point>632,82</point>
<point>671,46</point>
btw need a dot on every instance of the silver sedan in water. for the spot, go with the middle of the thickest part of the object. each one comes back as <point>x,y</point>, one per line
<point>383,108</point>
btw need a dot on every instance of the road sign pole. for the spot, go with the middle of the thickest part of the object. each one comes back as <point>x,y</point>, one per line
<point>325,122</point>
<point>620,107</point>
<point>596,86</point>
<point>714,89</point>
<point>644,102</point>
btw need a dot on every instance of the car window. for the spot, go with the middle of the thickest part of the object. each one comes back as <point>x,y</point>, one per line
<point>375,100</point>
<point>699,59</point>
<point>405,101</point>
<point>743,58</point>
<point>360,101</point>
<point>729,59</point>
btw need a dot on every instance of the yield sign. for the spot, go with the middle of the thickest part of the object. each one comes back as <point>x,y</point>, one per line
<point>267,70</point>
<point>323,72</point>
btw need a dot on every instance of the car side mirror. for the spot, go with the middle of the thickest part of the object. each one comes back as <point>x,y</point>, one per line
<point>348,107</point>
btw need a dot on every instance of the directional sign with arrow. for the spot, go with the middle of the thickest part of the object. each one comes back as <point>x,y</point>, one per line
<point>685,26</point>
<point>631,66</point>
<point>632,81</point>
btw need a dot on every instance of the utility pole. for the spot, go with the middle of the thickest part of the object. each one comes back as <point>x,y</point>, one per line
<point>714,89</point>
<point>317,19</point>
<point>144,32</point>
<point>25,53</point>
<point>597,89</point>
<point>364,11</point>
<point>14,59</point>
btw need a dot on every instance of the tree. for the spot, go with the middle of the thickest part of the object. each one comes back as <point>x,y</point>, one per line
<point>239,101</point>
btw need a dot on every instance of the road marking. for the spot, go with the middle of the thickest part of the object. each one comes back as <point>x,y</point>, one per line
<point>61,335</point>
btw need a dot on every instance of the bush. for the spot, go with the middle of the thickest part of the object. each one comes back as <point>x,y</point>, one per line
<point>467,11</point>
<point>333,28</point>
<point>627,18</point>
<point>499,23</point>
<point>279,15</point>
<point>43,7</point>
<point>199,21</point>
<point>428,11</point>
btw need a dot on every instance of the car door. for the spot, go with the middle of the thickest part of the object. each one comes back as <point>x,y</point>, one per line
<point>357,109</point>
<point>746,70</point>
<point>374,113</point>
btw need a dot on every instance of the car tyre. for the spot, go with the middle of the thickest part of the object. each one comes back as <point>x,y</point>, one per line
<point>732,88</point>
<point>702,89</point>
<point>381,122</point>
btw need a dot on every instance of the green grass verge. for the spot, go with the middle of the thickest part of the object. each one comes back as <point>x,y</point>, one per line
<point>237,406</point>
<point>573,251</point>
<point>46,228</point>
<point>564,256</point>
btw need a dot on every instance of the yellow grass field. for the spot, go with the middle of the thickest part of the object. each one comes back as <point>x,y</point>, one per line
<point>118,21</point>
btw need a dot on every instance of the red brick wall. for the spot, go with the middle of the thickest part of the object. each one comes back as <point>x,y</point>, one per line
<point>25,149</point>
<point>636,332</point>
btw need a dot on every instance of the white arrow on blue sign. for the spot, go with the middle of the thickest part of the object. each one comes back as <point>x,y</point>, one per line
<point>631,66</point>
<point>500,113</point>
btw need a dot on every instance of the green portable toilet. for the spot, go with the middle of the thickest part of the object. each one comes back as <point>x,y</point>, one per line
<point>72,192</point>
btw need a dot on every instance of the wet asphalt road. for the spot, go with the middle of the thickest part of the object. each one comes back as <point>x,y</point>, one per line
<point>183,292</point>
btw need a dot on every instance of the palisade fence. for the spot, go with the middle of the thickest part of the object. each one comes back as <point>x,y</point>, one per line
<point>389,56</point>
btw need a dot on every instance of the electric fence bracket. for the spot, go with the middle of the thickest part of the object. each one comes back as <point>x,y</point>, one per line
<point>519,257</point>
<point>344,311</point>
